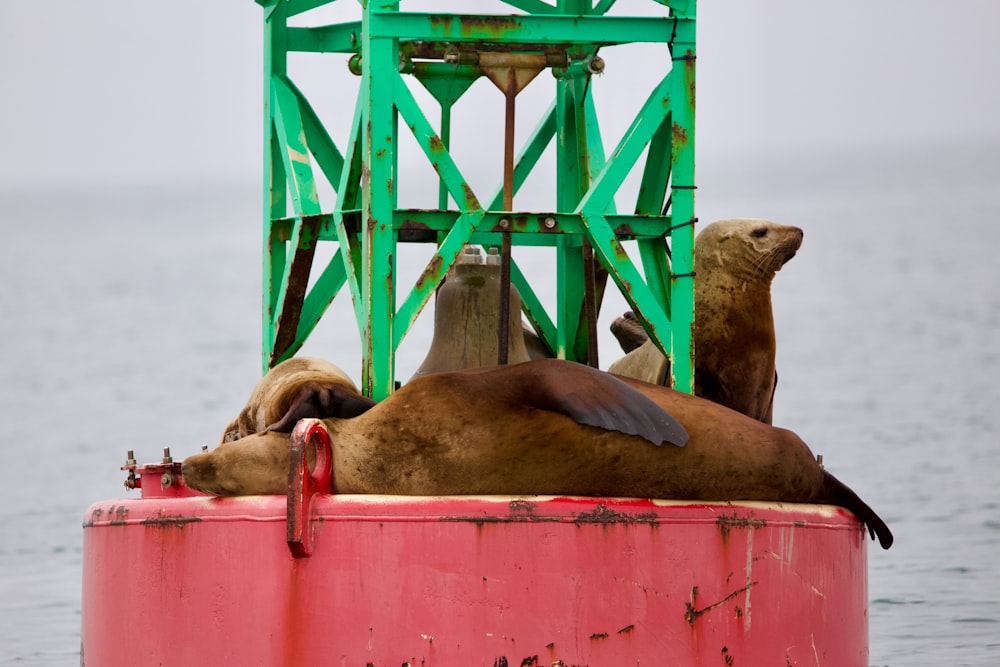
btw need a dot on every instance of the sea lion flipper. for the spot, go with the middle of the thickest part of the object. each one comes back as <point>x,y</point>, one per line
<point>321,401</point>
<point>594,398</point>
<point>839,493</point>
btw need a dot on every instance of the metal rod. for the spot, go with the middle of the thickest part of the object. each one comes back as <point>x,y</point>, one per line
<point>590,302</point>
<point>446,140</point>
<point>503,328</point>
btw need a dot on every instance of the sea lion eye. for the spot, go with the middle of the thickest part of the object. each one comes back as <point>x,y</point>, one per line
<point>759,232</point>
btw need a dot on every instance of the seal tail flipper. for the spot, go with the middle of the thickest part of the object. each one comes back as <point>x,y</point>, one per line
<point>840,494</point>
<point>595,398</point>
<point>321,401</point>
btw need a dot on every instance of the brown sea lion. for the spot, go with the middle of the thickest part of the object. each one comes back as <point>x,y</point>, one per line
<point>303,382</point>
<point>546,427</point>
<point>734,342</point>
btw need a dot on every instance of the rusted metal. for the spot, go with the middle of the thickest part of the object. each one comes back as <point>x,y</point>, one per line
<point>169,480</point>
<point>503,328</point>
<point>308,436</point>
<point>590,302</point>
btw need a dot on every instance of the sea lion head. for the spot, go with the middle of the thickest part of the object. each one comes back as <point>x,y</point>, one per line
<point>253,465</point>
<point>294,389</point>
<point>748,248</point>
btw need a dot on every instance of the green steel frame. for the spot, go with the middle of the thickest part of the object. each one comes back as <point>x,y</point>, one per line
<point>446,52</point>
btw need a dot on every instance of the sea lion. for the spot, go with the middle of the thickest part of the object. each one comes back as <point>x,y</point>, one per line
<point>545,427</point>
<point>734,342</point>
<point>305,383</point>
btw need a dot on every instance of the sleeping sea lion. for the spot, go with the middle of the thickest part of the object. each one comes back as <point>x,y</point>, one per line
<point>546,427</point>
<point>298,382</point>
<point>734,342</point>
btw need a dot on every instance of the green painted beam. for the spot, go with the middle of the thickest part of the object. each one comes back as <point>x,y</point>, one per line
<point>532,29</point>
<point>367,223</point>
<point>378,280</point>
<point>336,38</point>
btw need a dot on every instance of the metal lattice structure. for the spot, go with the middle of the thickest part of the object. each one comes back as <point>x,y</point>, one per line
<point>446,53</point>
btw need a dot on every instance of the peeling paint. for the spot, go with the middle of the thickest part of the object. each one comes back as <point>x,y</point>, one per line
<point>431,275</point>
<point>726,523</point>
<point>174,521</point>
<point>603,514</point>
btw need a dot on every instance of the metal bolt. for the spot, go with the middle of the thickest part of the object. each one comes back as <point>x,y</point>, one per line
<point>166,480</point>
<point>130,458</point>
<point>596,65</point>
<point>505,223</point>
<point>166,456</point>
<point>819,460</point>
<point>354,64</point>
<point>549,222</point>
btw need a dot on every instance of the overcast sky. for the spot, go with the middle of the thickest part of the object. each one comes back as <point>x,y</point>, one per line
<point>119,92</point>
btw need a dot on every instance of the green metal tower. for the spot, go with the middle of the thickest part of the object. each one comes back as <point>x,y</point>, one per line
<point>447,52</point>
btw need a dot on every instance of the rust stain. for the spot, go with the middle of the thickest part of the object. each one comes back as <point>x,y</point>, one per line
<point>692,614</point>
<point>95,516</point>
<point>689,62</point>
<point>604,515</point>
<point>409,224</point>
<point>726,523</point>
<point>525,506</point>
<point>120,513</point>
<point>727,657</point>
<point>492,26</point>
<point>174,521</point>
<point>599,635</point>
<point>442,21</point>
<point>530,661</point>
<point>481,521</point>
<point>627,629</point>
<point>431,275</point>
<point>619,250</point>
<point>470,198</point>
<point>680,136</point>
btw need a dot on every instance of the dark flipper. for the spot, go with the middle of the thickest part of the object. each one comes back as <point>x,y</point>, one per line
<point>840,494</point>
<point>320,401</point>
<point>595,398</point>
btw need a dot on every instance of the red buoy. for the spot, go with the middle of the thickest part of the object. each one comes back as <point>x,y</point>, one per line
<point>174,578</point>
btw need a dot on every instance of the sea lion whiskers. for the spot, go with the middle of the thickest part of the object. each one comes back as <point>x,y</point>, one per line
<point>763,264</point>
<point>785,249</point>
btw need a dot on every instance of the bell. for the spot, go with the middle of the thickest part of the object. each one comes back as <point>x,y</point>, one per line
<point>466,311</point>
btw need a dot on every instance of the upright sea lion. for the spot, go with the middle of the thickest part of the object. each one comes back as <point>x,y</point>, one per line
<point>734,342</point>
<point>295,383</point>
<point>539,428</point>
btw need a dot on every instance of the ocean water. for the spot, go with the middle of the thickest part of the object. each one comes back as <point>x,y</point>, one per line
<point>130,320</point>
